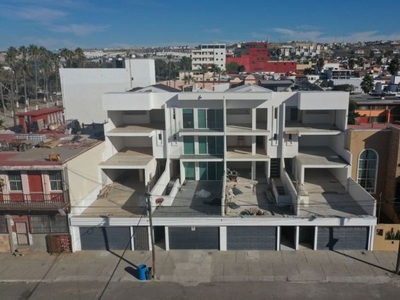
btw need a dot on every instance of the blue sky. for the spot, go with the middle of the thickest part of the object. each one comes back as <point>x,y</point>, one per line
<point>102,23</point>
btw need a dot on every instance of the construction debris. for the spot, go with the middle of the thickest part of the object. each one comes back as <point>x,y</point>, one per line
<point>21,252</point>
<point>104,192</point>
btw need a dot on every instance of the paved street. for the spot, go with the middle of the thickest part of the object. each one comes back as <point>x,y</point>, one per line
<point>245,290</point>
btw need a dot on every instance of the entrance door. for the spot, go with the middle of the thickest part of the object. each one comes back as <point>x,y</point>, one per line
<point>22,233</point>
<point>35,186</point>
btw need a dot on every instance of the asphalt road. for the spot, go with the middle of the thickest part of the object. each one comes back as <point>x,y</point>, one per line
<point>153,290</point>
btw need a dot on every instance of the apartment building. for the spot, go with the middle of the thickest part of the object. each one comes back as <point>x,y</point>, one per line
<point>209,54</point>
<point>243,169</point>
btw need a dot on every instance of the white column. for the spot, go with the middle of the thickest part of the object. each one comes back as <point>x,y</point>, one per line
<point>223,238</point>
<point>278,238</point>
<point>75,238</point>
<point>166,229</point>
<point>315,238</point>
<point>296,242</point>
<point>253,118</point>
<point>371,238</point>
<point>132,238</point>
<point>253,145</point>
<point>149,235</point>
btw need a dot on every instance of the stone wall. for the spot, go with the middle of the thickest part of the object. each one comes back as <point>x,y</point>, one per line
<point>4,243</point>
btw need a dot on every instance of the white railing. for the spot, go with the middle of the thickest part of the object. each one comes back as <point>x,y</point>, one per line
<point>362,197</point>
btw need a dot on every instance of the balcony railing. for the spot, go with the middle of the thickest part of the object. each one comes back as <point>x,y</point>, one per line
<point>35,201</point>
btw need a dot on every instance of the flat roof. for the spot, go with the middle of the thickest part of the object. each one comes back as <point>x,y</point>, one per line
<point>134,158</point>
<point>320,156</point>
<point>67,149</point>
<point>40,112</point>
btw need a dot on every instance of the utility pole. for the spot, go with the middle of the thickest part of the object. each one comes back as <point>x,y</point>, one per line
<point>398,261</point>
<point>153,249</point>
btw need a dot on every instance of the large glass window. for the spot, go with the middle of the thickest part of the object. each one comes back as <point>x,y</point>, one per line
<point>188,120</point>
<point>188,145</point>
<point>15,181</point>
<point>367,170</point>
<point>55,180</point>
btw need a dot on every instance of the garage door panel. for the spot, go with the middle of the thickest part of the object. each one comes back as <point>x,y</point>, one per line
<point>105,238</point>
<point>251,238</point>
<point>199,238</point>
<point>343,238</point>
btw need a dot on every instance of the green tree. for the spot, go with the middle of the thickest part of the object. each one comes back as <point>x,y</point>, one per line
<point>352,114</point>
<point>216,71</point>
<point>203,70</point>
<point>188,79</point>
<point>241,68</point>
<point>351,63</point>
<point>394,66</point>
<point>367,83</point>
<point>232,67</point>
<point>320,63</point>
<point>33,52</point>
<point>11,59</point>
<point>24,67</point>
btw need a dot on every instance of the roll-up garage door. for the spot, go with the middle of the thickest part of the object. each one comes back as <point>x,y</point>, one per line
<point>342,238</point>
<point>194,237</point>
<point>251,238</point>
<point>105,238</point>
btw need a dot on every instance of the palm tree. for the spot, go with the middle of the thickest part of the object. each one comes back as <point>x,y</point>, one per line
<point>79,58</point>
<point>203,70</point>
<point>68,55</point>
<point>11,59</point>
<point>24,67</point>
<point>367,83</point>
<point>188,79</point>
<point>33,52</point>
<point>217,70</point>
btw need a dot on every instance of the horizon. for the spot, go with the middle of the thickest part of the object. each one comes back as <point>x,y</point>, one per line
<point>104,24</point>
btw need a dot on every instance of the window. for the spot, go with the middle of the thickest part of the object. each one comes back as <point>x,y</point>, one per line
<point>15,181</point>
<point>188,118</point>
<point>3,224</point>
<point>49,224</point>
<point>367,170</point>
<point>276,113</point>
<point>55,180</point>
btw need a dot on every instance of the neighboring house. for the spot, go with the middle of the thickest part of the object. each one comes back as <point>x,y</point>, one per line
<point>209,54</point>
<point>35,120</point>
<point>377,110</point>
<point>37,187</point>
<point>243,169</point>
<point>82,88</point>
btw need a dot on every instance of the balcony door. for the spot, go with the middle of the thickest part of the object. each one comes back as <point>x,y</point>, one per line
<point>35,186</point>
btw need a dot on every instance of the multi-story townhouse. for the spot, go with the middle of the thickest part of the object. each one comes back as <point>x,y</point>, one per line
<point>35,186</point>
<point>247,168</point>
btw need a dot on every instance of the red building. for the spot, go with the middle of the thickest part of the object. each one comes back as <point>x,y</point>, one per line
<point>255,58</point>
<point>34,190</point>
<point>35,120</point>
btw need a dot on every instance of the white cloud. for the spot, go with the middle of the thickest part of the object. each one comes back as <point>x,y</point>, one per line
<point>79,29</point>
<point>49,43</point>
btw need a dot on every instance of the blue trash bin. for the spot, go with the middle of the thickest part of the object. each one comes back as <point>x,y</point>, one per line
<point>142,269</point>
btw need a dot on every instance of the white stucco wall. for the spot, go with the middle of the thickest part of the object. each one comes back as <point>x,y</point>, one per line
<point>83,173</point>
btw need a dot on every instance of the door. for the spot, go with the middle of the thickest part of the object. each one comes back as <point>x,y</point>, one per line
<point>251,238</point>
<point>190,173</point>
<point>342,238</point>
<point>22,233</point>
<point>188,145</point>
<point>105,238</point>
<point>35,186</point>
<point>203,170</point>
<point>193,238</point>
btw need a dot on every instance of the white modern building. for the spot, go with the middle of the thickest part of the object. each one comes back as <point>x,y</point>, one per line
<point>243,169</point>
<point>82,88</point>
<point>209,54</point>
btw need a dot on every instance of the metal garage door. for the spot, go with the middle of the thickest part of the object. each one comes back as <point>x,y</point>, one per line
<point>251,238</point>
<point>342,238</point>
<point>141,238</point>
<point>104,238</point>
<point>193,237</point>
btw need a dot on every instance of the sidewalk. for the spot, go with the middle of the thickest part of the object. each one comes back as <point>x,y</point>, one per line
<point>191,267</point>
